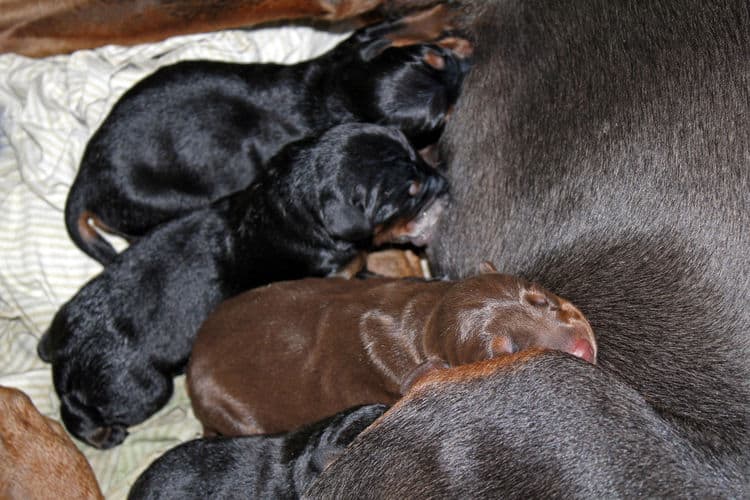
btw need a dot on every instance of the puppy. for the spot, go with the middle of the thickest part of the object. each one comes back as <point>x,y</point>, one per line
<point>195,131</point>
<point>281,466</point>
<point>443,439</point>
<point>37,458</point>
<point>281,356</point>
<point>115,346</point>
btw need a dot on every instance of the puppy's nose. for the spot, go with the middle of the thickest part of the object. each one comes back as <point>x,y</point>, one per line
<point>583,349</point>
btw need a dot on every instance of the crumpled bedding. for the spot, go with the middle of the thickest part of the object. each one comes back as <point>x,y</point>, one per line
<point>48,110</point>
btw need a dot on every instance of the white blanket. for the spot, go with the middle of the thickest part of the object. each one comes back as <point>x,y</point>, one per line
<point>48,110</point>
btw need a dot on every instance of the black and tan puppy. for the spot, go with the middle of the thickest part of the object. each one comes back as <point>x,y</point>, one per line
<point>117,343</point>
<point>195,131</point>
<point>276,466</point>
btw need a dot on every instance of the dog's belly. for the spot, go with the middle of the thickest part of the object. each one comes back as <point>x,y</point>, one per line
<point>618,178</point>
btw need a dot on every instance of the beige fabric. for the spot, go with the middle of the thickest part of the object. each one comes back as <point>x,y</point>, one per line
<point>48,110</point>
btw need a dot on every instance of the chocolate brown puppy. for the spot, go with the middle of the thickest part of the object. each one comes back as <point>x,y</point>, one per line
<point>195,131</point>
<point>115,346</point>
<point>290,353</point>
<point>37,457</point>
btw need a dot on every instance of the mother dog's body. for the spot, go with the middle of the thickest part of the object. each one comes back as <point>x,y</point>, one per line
<point>603,149</point>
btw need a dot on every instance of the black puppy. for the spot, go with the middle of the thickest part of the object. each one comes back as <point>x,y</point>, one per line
<point>195,131</point>
<point>117,343</point>
<point>278,466</point>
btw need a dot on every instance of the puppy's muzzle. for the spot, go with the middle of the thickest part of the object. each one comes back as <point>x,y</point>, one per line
<point>418,226</point>
<point>81,421</point>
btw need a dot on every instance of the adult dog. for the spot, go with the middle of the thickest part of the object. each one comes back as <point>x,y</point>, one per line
<point>195,131</point>
<point>115,346</point>
<point>603,150</point>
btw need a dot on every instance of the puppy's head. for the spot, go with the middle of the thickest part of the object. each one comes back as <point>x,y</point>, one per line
<point>102,388</point>
<point>369,179</point>
<point>412,88</point>
<point>494,314</point>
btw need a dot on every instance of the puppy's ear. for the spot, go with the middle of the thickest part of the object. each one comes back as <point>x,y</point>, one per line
<point>345,222</point>
<point>374,48</point>
<point>487,267</point>
<point>51,339</point>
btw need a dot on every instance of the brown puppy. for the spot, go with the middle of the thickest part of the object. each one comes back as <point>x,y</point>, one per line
<point>288,354</point>
<point>37,458</point>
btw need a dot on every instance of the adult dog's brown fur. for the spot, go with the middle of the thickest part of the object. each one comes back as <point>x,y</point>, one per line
<point>47,27</point>
<point>37,458</point>
<point>282,356</point>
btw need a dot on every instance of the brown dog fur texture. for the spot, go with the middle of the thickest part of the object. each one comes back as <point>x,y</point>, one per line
<point>38,460</point>
<point>47,27</point>
<point>282,356</point>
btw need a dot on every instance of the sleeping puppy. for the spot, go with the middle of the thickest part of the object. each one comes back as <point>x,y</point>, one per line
<point>116,345</point>
<point>281,356</point>
<point>280,466</point>
<point>195,131</point>
<point>37,457</point>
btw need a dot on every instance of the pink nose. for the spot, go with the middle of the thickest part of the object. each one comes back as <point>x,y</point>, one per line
<point>584,350</point>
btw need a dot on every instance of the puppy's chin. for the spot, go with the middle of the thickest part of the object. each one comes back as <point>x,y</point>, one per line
<point>80,421</point>
<point>105,437</point>
<point>418,230</point>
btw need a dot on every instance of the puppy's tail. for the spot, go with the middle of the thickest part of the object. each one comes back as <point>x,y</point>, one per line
<point>80,223</point>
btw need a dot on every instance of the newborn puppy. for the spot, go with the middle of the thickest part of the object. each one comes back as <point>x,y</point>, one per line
<point>278,357</point>
<point>281,466</point>
<point>37,458</point>
<point>195,131</point>
<point>115,346</point>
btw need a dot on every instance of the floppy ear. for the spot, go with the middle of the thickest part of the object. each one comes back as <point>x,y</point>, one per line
<point>487,267</point>
<point>345,222</point>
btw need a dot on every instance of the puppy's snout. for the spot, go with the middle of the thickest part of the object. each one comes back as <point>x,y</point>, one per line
<point>105,437</point>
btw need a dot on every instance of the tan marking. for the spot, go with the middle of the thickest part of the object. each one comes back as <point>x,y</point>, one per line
<point>435,60</point>
<point>474,371</point>
<point>459,46</point>
<point>424,26</point>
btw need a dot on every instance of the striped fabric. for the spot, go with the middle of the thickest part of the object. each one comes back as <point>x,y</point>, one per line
<point>48,110</point>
